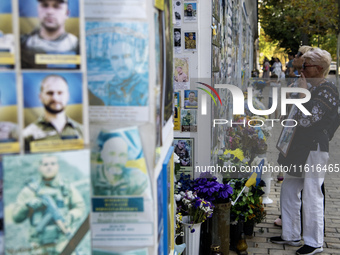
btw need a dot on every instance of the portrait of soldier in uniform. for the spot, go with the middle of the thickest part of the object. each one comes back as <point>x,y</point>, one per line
<point>127,88</point>
<point>118,175</point>
<point>53,124</point>
<point>190,40</point>
<point>189,10</point>
<point>48,204</point>
<point>50,37</point>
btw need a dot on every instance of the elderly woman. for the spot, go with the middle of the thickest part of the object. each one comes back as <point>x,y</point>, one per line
<point>310,150</point>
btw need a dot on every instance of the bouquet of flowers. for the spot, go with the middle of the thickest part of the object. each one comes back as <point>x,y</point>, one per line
<point>249,205</point>
<point>198,209</point>
<point>211,190</point>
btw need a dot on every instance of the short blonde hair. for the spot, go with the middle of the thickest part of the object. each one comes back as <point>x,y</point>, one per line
<point>304,48</point>
<point>321,58</point>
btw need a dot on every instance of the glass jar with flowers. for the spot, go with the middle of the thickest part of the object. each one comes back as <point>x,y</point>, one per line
<point>219,193</point>
<point>196,210</point>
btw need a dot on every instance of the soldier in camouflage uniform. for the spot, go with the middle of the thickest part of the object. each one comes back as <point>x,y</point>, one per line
<point>54,124</point>
<point>113,177</point>
<point>190,42</point>
<point>52,206</point>
<point>50,37</point>
<point>127,88</point>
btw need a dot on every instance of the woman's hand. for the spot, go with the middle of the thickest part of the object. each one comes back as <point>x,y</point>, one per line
<point>303,82</point>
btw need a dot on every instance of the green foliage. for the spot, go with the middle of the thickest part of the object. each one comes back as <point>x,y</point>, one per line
<point>292,23</point>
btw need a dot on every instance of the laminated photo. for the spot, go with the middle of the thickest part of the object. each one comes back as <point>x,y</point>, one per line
<point>177,111</point>
<point>181,73</point>
<point>9,128</point>
<point>190,12</point>
<point>188,120</point>
<point>49,39</point>
<point>121,168</point>
<point>177,40</point>
<point>47,203</point>
<point>118,70</point>
<point>190,99</point>
<point>7,45</point>
<point>184,149</point>
<point>121,189</point>
<point>178,10</point>
<point>190,41</point>
<point>115,9</point>
<point>131,252</point>
<point>53,111</point>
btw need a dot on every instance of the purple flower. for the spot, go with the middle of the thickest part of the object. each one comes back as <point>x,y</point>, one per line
<point>211,187</point>
<point>198,203</point>
<point>225,191</point>
<point>192,230</point>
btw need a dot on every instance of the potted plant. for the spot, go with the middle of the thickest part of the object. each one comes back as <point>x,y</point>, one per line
<point>195,211</point>
<point>256,213</point>
<point>244,208</point>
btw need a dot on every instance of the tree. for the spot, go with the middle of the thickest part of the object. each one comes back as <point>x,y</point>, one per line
<point>292,23</point>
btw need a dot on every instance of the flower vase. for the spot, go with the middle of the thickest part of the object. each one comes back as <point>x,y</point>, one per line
<point>191,238</point>
<point>267,178</point>
<point>221,226</point>
<point>248,229</point>
<point>235,234</point>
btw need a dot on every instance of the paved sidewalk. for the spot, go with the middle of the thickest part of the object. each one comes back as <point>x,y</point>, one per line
<point>260,244</point>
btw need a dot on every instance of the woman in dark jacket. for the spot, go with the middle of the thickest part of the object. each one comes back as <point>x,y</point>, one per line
<point>308,156</point>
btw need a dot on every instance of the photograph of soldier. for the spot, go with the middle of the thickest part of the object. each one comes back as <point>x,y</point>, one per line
<point>287,133</point>
<point>188,120</point>
<point>184,149</point>
<point>49,27</point>
<point>7,46</point>
<point>190,41</point>
<point>190,12</point>
<point>190,99</point>
<point>9,131</point>
<point>177,111</point>
<point>177,37</point>
<point>47,203</point>
<point>117,63</point>
<point>127,86</point>
<point>122,168</point>
<point>53,110</point>
<point>182,152</point>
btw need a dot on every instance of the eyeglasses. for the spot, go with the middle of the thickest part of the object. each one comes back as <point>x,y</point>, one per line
<point>305,66</point>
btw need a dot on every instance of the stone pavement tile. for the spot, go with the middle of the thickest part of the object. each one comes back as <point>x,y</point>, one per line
<point>281,252</point>
<point>334,245</point>
<point>257,239</point>
<point>274,232</point>
<point>267,245</point>
<point>332,235</point>
<point>331,240</point>
<point>258,250</point>
<point>331,230</point>
<point>265,234</point>
<point>331,251</point>
<point>265,225</point>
